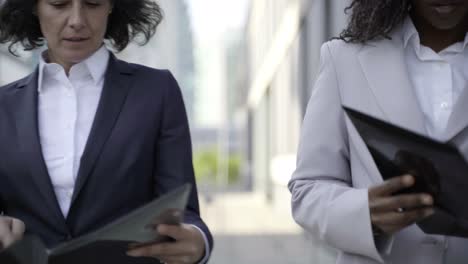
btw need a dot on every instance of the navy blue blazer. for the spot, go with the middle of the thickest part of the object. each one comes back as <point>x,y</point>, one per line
<point>139,148</point>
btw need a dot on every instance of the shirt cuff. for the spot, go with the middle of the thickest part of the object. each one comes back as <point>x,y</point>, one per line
<point>207,246</point>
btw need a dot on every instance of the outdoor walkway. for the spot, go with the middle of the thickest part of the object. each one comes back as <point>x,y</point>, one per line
<point>248,230</point>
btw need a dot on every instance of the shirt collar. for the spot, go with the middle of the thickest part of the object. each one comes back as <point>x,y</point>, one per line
<point>411,35</point>
<point>95,65</point>
<point>409,32</point>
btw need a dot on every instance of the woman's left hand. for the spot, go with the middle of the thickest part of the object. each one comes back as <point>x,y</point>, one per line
<point>188,248</point>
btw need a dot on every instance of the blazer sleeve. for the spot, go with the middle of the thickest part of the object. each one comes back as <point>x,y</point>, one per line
<point>323,199</point>
<point>2,201</point>
<point>173,154</point>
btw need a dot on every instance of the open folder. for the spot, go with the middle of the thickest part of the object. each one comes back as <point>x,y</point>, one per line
<point>438,167</point>
<point>109,243</point>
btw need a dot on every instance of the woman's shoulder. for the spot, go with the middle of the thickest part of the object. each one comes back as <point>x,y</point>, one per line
<point>340,49</point>
<point>140,69</point>
<point>146,73</point>
<point>12,86</point>
<point>147,79</point>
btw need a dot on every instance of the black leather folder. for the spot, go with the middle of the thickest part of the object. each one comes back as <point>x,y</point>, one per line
<point>109,243</point>
<point>438,167</point>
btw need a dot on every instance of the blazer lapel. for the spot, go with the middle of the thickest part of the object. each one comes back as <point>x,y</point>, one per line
<point>386,72</point>
<point>114,93</point>
<point>24,106</point>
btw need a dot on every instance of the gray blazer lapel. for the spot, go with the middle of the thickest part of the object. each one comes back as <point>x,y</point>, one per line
<point>23,104</point>
<point>115,90</point>
<point>386,72</point>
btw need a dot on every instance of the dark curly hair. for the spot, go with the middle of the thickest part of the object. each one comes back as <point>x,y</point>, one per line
<point>129,20</point>
<point>374,19</point>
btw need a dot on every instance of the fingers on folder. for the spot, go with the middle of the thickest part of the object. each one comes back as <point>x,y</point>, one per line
<point>11,230</point>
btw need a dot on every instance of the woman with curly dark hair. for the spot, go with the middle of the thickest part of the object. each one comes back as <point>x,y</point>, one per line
<point>402,61</point>
<point>87,138</point>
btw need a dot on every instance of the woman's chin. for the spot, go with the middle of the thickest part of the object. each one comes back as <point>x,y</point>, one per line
<point>75,56</point>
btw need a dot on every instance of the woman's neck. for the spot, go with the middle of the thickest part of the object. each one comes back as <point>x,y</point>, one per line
<point>438,39</point>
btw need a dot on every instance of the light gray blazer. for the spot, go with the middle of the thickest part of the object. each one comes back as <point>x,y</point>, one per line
<point>334,167</point>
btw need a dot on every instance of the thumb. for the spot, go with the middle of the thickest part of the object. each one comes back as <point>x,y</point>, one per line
<point>17,228</point>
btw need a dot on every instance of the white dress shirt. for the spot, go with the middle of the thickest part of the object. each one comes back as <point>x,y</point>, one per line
<point>67,106</point>
<point>438,78</point>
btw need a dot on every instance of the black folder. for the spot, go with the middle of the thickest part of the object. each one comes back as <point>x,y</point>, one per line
<point>109,243</point>
<point>438,167</point>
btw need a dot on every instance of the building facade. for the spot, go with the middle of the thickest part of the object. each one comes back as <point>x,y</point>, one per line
<point>171,48</point>
<point>283,45</point>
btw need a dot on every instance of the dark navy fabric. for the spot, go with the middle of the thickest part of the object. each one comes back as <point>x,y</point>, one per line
<point>139,148</point>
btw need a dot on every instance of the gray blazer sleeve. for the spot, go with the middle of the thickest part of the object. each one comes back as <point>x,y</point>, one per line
<point>323,199</point>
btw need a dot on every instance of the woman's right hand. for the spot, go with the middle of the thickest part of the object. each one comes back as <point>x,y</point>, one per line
<point>391,213</point>
<point>11,230</point>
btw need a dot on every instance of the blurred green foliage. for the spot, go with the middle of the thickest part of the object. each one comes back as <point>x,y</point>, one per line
<point>207,164</point>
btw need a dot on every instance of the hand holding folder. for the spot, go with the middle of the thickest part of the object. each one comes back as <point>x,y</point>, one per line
<point>11,230</point>
<point>438,167</point>
<point>109,243</point>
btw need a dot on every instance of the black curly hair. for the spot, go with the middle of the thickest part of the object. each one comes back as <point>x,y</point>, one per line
<point>128,20</point>
<point>374,19</point>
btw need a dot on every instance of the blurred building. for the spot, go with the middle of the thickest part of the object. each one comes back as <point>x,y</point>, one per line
<point>283,45</point>
<point>284,40</point>
<point>171,48</point>
<point>219,122</point>
<point>13,68</point>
